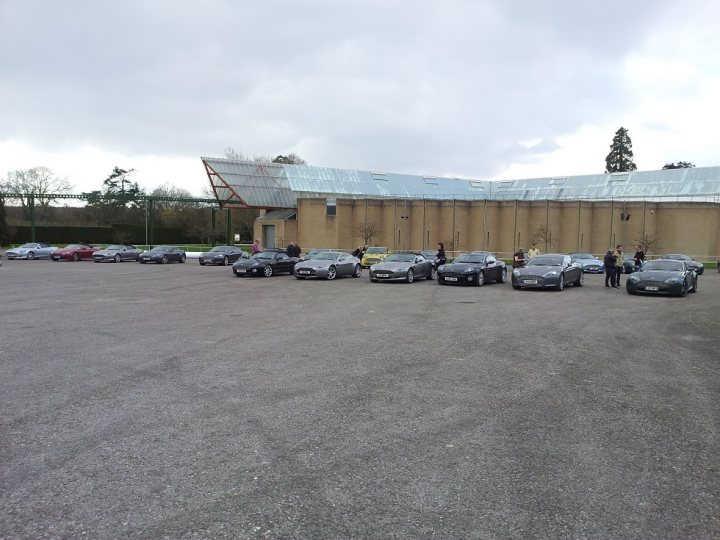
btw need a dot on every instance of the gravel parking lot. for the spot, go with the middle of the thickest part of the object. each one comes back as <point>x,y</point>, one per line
<point>144,401</point>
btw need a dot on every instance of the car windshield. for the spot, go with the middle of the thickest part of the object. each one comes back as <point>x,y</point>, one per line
<point>73,246</point>
<point>114,248</point>
<point>326,256</point>
<point>400,257</point>
<point>27,246</point>
<point>546,261</point>
<point>161,248</point>
<point>470,258</point>
<point>582,256</point>
<point>676,257</point>
<point>663,266</point>
<point>376,250</point>
<point>220,249</point>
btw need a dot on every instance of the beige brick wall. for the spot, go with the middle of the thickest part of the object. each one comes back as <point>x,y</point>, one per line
<point>501,226</point>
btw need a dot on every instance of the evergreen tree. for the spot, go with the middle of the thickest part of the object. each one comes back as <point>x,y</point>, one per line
<point>620,158</point>
<point>4,231</point>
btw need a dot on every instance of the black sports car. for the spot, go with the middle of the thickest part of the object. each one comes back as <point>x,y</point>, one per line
<point>551,270</point>
<point>163,255</point>
<point>689,261</point>
<point>266,263</point>
<point>663,277</point>
<point>223,255</point>
<point>474,268</point>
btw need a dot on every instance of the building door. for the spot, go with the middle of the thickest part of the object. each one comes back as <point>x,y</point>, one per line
<point>268,238</point>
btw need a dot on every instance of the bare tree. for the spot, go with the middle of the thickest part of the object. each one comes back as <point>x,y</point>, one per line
<point>647,243</point>
<point>367,231</point>
<point>39,184</point>
<point>543,234</point>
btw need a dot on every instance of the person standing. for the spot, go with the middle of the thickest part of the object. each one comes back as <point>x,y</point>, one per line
<point>619,263</point>
<point>609,262</point>
<point>639,257</point>
<point>519,258</point>
<point>533,251</point>
<point>256,248</point>
<point>440,257</point>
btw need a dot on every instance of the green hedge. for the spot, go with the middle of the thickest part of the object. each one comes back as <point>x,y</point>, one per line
<point>133,234</point>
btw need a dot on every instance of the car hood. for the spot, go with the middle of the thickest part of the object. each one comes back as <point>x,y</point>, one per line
<point>393,266</point>
<point>656,275</point>
<point>314,263</point>
<point>249,263</point>
<point>590,262</point>
<point>538,270</point>
<point>153,253</point>
<point>67,250</point>
<point>459,267</point>
<point>19,251</point>
<point>107,252</point>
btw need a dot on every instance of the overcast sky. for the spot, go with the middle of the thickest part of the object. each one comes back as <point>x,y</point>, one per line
<point>479,89</point>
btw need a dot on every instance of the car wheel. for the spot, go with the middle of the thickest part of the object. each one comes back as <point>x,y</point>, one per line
<point>225,260</point>
<point>143,262</point>
<point>332,273</point>
<point>30,255</point>
<point>694,288</point>
<point>480,279</point>
<point>579,282</point>
<point>164,259</point>
<point>117,258</point>
<point>358,271</point>
<point>561,283</point>
<point>373,280</point>
<point>76,257</point>
<point>516,287</point>
<point>503,276</point>
<point>410,277</point>
<point>433,274</point>
<point>268,270</point>
<point>684,290</point>
<point>182,258</point>
<point>202,263</point>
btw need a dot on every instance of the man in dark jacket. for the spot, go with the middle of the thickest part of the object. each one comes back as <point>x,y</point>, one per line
<point>609,262</point>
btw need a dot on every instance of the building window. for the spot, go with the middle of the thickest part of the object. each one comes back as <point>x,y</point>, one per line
<point>331,207</point>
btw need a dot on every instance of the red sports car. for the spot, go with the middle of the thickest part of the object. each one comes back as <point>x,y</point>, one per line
<point>75,252</point>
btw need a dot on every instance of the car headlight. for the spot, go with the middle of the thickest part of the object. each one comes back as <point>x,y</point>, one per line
<point>675,279</point>
<point>516,272</point>
<point>468,270</point>
<point>634,278</point>
<point>550,274</point>
<point>441,268</point>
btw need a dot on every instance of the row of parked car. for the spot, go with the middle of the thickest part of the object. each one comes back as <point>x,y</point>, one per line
<point>671,273</point>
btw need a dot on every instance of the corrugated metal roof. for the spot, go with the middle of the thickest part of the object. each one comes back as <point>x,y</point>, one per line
<point>273,185</point>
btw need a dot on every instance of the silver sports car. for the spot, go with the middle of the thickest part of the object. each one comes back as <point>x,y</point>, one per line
<point>403,266</point>
<point>117,253</point>
<point>31,251</point>
<point>328,265</point>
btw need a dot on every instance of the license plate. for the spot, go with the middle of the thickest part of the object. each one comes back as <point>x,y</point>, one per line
<point>241,270</point>
<point>651,288</point>
<point>450,279</point>
<point>146,258</point>
<point>530,281</point>
<point>383,275</point>
<point>304,272</point>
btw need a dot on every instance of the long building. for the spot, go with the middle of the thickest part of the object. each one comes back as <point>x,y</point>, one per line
<point>676,210</point>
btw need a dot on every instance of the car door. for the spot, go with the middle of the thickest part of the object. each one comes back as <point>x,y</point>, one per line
<point>345,265</point>
<point>492,268</point>
<point>571,271</point>
<point>281,262</point>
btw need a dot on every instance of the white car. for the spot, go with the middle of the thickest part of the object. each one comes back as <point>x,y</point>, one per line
<point>31,251</point>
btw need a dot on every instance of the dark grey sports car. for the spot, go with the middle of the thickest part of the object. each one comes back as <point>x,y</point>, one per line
<point>474,268</point>
<point>552,270</point>
<point>223,255</point>
<point>663,277</point>
<point>117,253</point>
<point>163,255</point>
<point>266,263</point>
<point>328,265</point>
<point>403,266</point>
<point>689,261</point>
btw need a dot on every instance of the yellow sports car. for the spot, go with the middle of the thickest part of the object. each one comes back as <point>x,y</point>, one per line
<point>374,255</point>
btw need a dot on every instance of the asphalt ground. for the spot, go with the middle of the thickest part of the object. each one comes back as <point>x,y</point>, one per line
<point>144,401</point>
